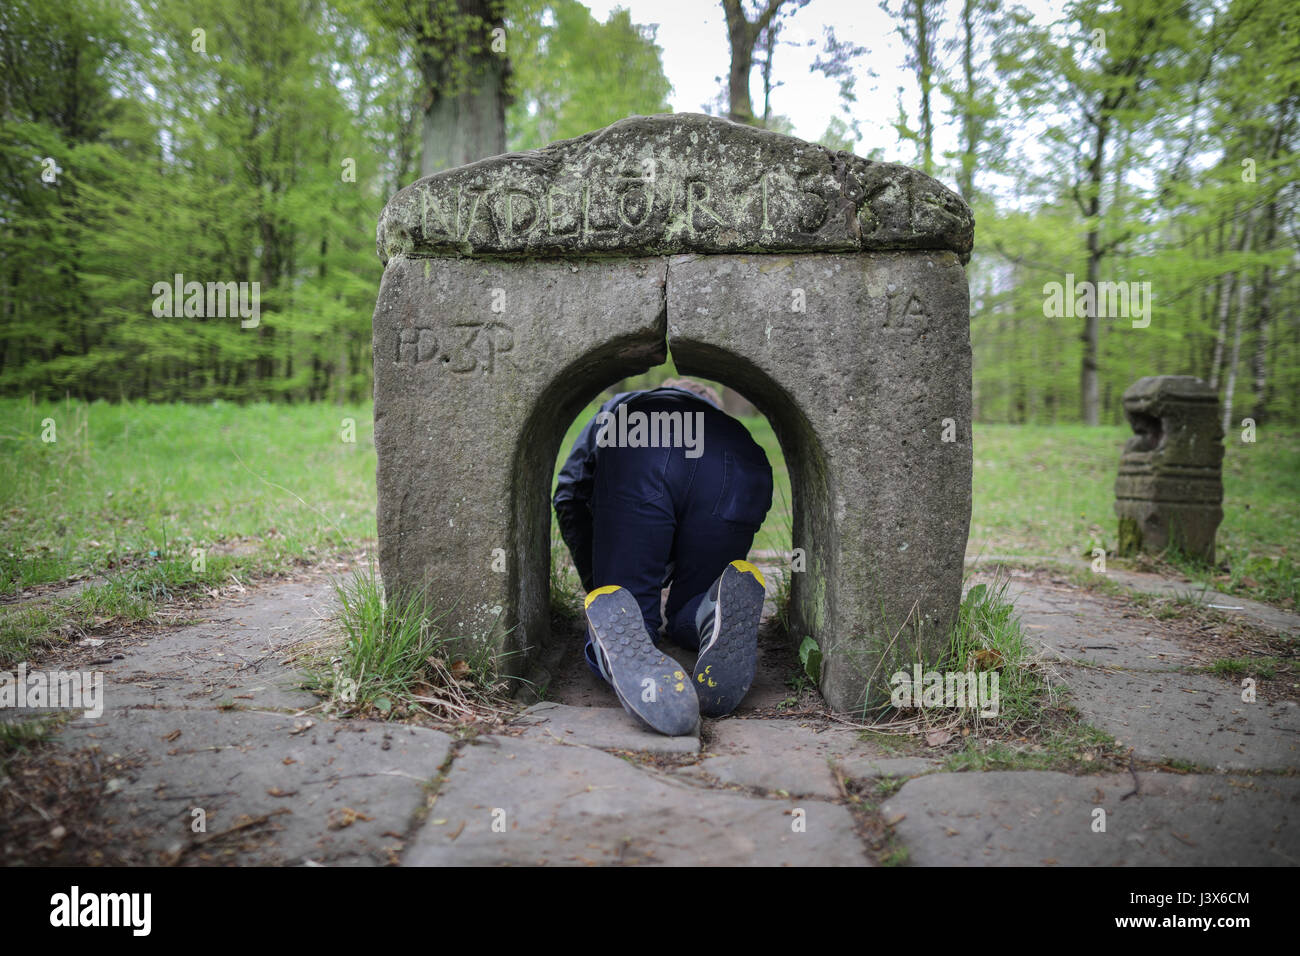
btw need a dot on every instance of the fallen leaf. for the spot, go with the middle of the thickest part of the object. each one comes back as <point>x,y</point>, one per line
<point>937,738</point>
<point>277,792</point>
<point>172,736</point>
<point>459,669</point>
<point>345,817</point>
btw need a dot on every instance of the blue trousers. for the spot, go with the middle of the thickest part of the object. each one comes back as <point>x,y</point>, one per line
<point>659,514</point>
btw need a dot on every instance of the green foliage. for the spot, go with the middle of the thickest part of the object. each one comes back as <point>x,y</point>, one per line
<point>988,636</point>
<point>126,482</point>
<point>810,656</point>
<point>398,658</point>
<point>574,74</point>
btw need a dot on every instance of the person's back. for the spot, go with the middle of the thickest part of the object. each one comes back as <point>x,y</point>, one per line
<point>663,488</point>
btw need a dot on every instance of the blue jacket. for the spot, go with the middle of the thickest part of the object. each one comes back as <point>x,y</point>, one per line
<point>577,481</point>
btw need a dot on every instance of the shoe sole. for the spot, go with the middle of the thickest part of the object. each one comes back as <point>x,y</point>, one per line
<point>635,664</point>
<point>725,671</point>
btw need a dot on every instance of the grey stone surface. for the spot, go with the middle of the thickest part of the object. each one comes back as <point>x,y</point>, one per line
<point>470,409</point>
<point>1192,717</point>
<point>669,184</point>
<point>1170,487</point>
<point>560,805</point>
<point>235,656</point>
<point>784,755</point>
<point>336,791</point>
<point>882,501</point>
<point>1065,621</point>
<point>1009,818</point>
<point>608,728</point>
<point>1255,613</point>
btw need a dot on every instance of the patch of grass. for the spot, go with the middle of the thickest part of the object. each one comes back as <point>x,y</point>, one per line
<point>1075,746</point>
<point>888,786</point>
<point>565,588</point>
<point>274,482</point>
<point>897,856</point>
<point>399,659</point>
<point>27,630</point>
<point>988,636</point>
<point>1264,667</point>
<point>1263,578</point>
<point>126,597</point>
<point>20,736</point>
<point>889,743</point>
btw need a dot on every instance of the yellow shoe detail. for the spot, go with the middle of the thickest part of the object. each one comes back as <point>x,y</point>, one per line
<point>679,687</point>
<point>592,595</point>
<point>745,566</point>
<point>679,675</point>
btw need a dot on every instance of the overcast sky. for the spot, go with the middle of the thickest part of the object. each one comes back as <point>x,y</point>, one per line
<point>693,37</point>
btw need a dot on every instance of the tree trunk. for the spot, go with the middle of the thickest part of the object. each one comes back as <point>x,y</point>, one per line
<point>464,115</point>
<point>969,121</point>
<point>742,36</point>
<point>1089,396</point>
<point>925,73</point>
<point>1236,340</point>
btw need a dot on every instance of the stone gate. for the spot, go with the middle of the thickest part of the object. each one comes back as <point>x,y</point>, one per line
<point>826,288</point>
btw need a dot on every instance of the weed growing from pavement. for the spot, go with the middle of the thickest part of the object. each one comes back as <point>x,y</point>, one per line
<point>398,661</point>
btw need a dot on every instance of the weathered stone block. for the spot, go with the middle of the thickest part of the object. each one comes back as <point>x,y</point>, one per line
<point>857,387</point>
<point>1170,488</point>
<point>827,289</point>
<point>672,184</point>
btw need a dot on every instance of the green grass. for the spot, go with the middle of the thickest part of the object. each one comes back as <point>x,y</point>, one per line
<point>1076,747</point>
<point>127,483</point>
<point>397,659</point>
<point>127,596</point>
<point>988,634</point>
<point>1264,667</point>
<point>17,736</point>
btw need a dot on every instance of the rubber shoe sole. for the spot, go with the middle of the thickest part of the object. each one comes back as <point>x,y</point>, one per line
<point>651,686</point>
<point>724,671</point>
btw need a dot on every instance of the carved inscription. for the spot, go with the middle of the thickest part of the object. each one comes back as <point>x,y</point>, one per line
<point>904,312</point>
<point>640,200</point>
<point>471,346</point>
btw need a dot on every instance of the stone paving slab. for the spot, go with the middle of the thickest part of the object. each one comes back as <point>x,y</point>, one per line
<point>1194,717</point>
<point>1254,612</point>
<point>789,756</point>
<point>565,805</point>
<point>1065,622</point>
<point>233,657</point>
<point>606,728</point>
<point>339,791</point>
<point>1010,818</point>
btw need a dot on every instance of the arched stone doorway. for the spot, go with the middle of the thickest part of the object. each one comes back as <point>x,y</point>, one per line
<point>826,288</point>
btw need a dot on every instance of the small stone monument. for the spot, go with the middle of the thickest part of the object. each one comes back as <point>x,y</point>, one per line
<point>826,288</point>
<point>1170,486</point>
